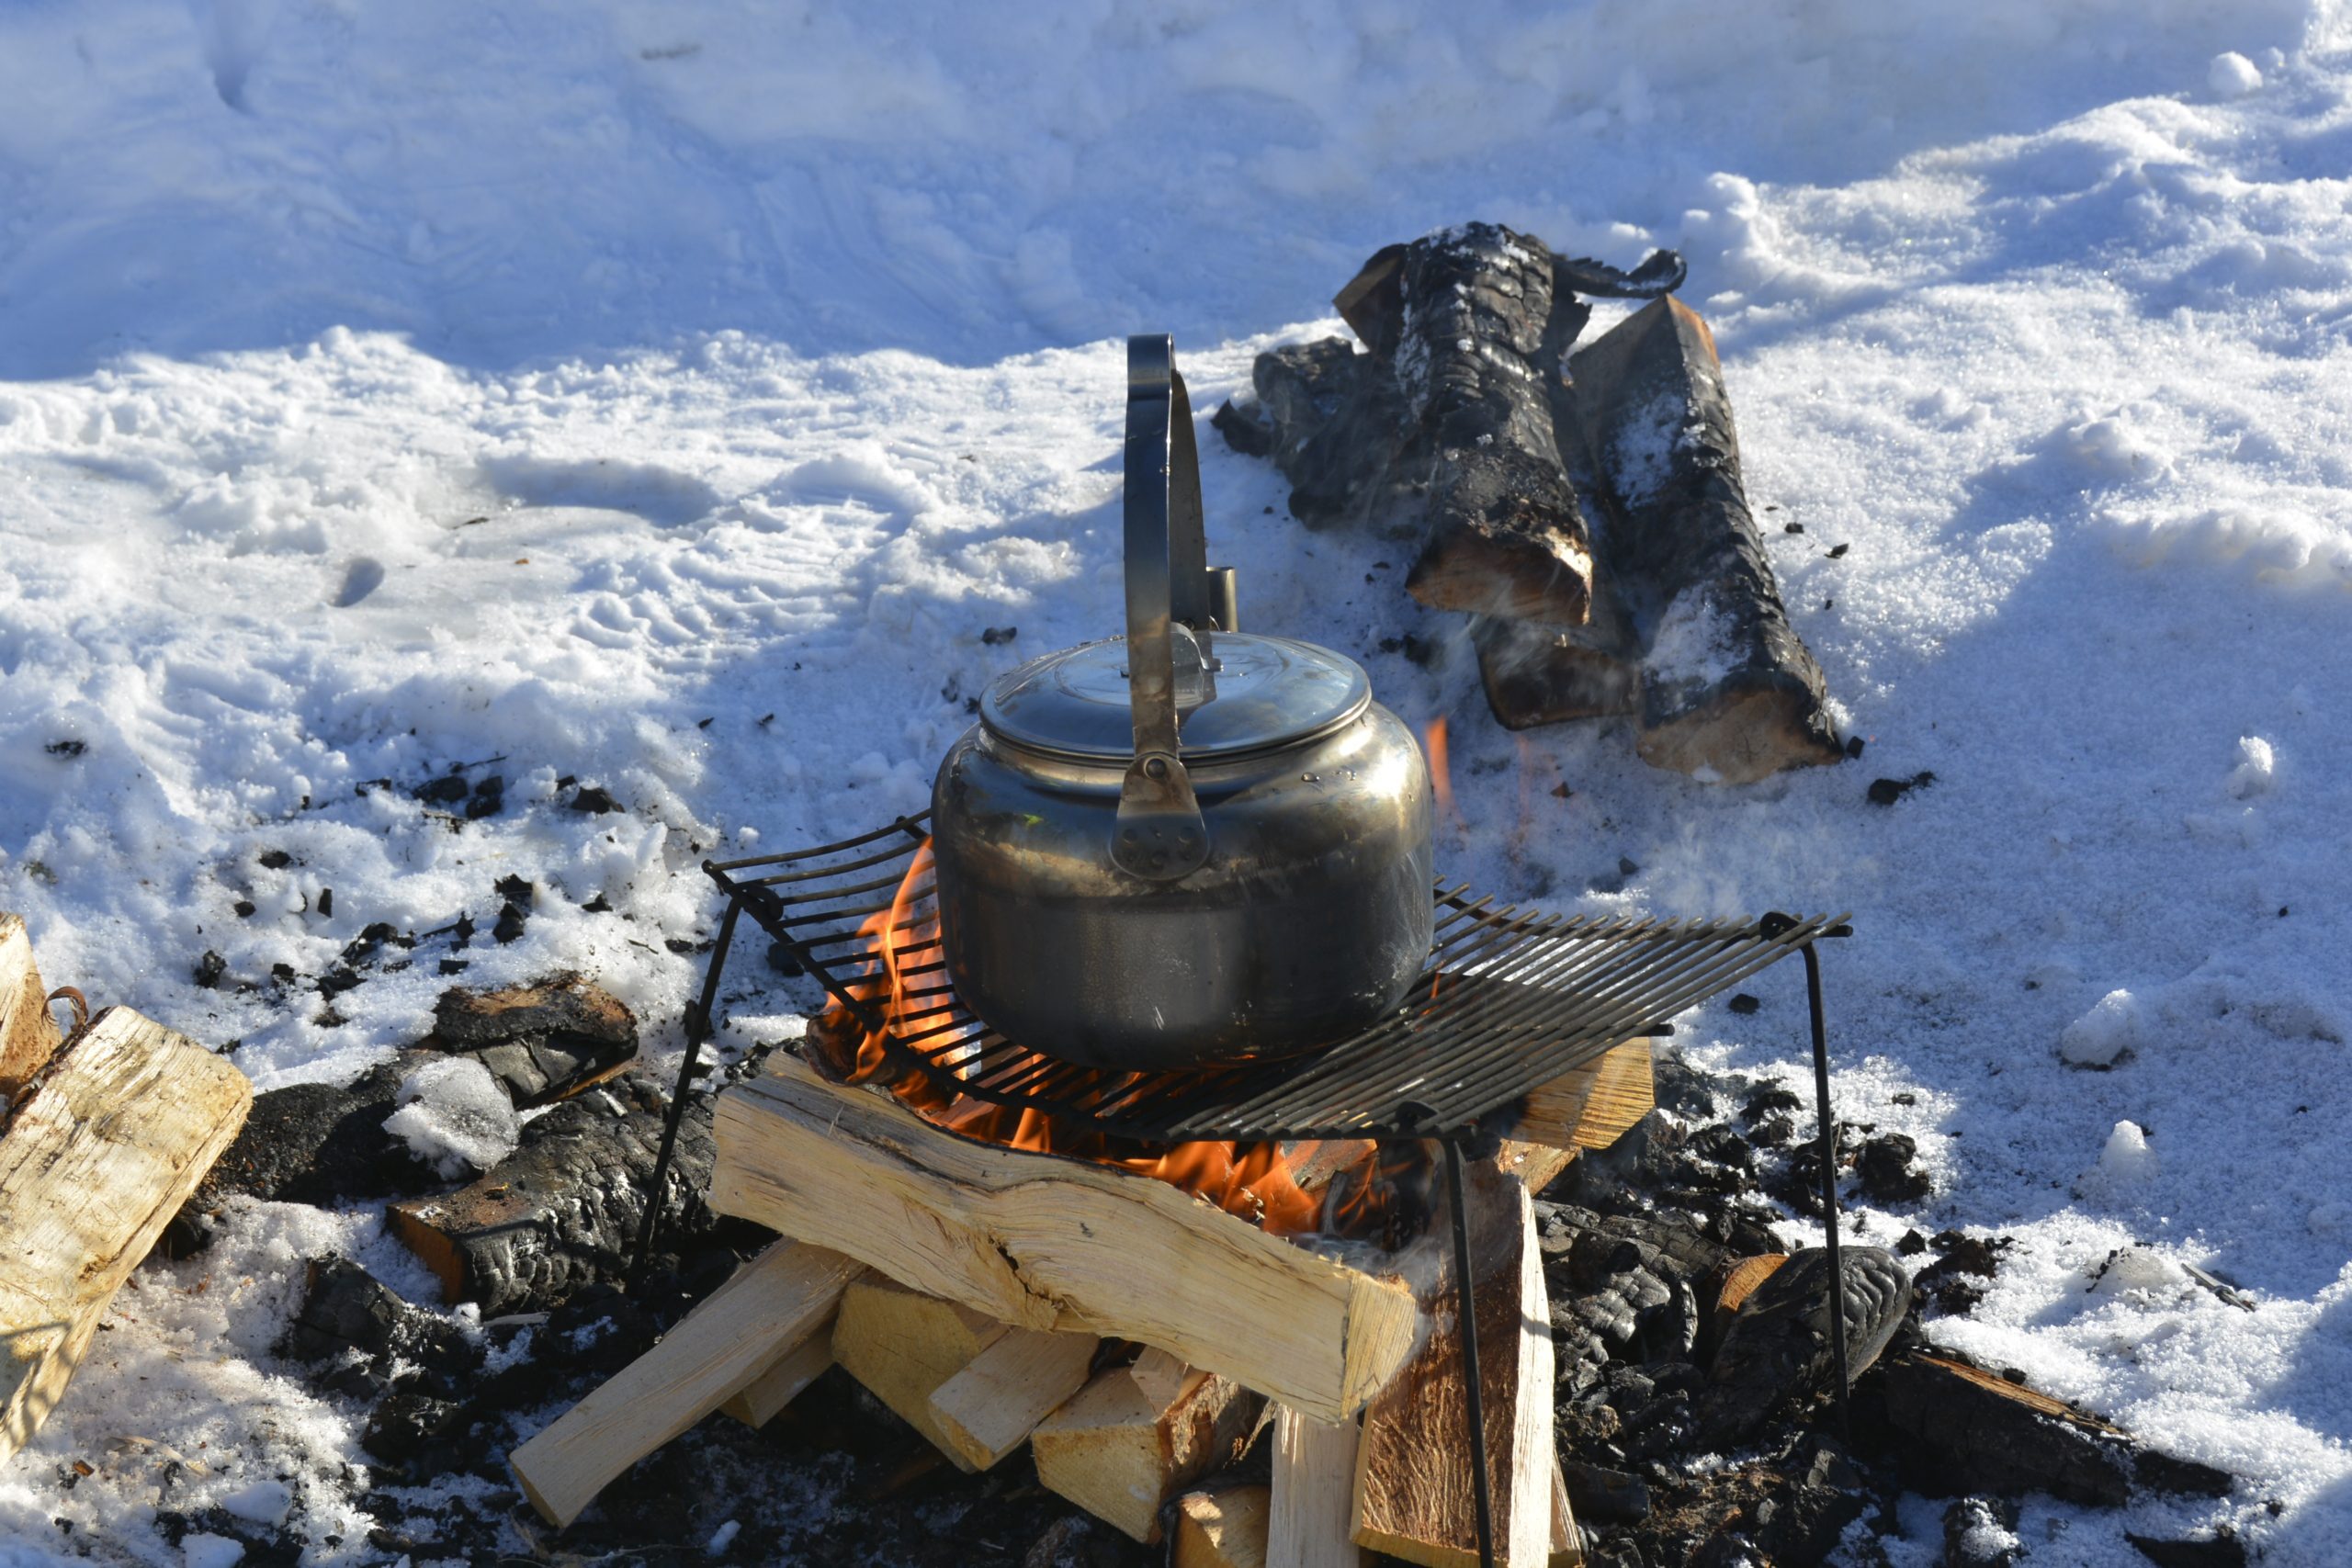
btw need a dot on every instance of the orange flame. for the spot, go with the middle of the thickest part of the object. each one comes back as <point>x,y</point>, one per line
<point>1440,779</point>
<point>903,978</point>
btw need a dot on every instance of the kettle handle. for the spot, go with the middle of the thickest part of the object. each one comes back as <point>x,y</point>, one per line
<point>1159,835</point>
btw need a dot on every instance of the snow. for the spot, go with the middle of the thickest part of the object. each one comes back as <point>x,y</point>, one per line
<point>2103,1033</point>
<point>2233,75</point>
<point>454,1117</point>
<point>518,388</point>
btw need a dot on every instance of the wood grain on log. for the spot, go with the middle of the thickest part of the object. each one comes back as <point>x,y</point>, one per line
<point>765,1396</point>
<point>109,1139</point>
<point>764,1313</point>
<point>1119,1452</point>
<point>903,1345</point>
<point>562,1212</point>
<point>1310,1514</point>
<point>1593,1106</point>
<point>1728,688</point>
<point>990,1409</point>
<point>1415,1496</point>
<point>1042,1242</point>
<point>1225,1528</point>
<point>27,1033</point>
<point>1568,1541</point>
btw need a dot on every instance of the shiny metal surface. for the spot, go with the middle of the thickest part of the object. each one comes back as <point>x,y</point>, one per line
<point>1244,872</point>
<point>1310,918</point>
<point>1269,691</point>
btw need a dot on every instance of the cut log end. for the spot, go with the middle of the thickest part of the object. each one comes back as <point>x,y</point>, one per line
<point>1120,1453</point>
<point>1744,732</point>
<point>1532,569</point>
<point>1534,674</point>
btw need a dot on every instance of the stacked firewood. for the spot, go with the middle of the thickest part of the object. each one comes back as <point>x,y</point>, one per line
<point>1137,1341</point>
<point>1583,507</point>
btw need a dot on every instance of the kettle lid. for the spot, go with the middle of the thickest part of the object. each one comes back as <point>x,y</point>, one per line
<point>1264,693</point>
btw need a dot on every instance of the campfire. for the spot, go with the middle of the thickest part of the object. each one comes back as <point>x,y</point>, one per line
<point>900,979</point>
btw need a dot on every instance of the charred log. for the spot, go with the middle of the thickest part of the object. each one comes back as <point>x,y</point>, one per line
<point>544,1041</point>
<point>562,1212</point>
<point>1338,428</point>
<point>1728,687</point>
<point>1464,330</point>
<point>1958,1429</point>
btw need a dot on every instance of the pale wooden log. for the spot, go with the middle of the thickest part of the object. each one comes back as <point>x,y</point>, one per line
<point>111,1138</point>
<point>1568,1541</point>
<point>1223,1529</point>
<point>1310,1515</point>
<point>1414,1493</point>
<point>1120,1455</point>
<point>990,1409</point>
<point>1160,1376</point>
<point>27,1033</point>
<point>903,1345</point>
<point>1593,1106</point>
<point>743,1329</point>
<point>768,1394</point>
<point>1042,1242</point>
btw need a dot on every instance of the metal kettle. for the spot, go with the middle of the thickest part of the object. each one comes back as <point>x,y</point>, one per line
<point>1190,844</point>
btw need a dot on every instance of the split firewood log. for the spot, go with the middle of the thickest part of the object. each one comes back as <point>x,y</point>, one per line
<point>1414,1496</point>
<point>769,1307</point>
<point>28,1034</point>
<point>1126,1444</point>
<point>1053,1244</point>
<point>903,1345</point>
<point>1728,689</point>
<point>1593,1106</point>
<point>1955,1427</point>
<point>106,1142</point>
<point>990,1408</point>
<point>1222,1526</point>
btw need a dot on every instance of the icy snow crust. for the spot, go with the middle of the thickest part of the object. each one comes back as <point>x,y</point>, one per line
<point>407,386</point>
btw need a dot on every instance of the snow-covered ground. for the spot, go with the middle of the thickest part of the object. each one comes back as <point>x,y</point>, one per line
<point>667,397</point>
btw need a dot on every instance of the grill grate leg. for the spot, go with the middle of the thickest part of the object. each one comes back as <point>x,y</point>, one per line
<point>698,1029</point>
<point>1467,1313</point>
<point>1828,1185</point>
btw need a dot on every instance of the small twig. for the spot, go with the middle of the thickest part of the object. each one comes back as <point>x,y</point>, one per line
<point>81,1004</point>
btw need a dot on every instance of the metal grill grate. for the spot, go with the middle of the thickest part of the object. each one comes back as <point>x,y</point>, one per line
<point>1508,1001</point>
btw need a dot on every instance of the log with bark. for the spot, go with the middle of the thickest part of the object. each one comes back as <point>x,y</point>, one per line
<point>1593,522</point>
<point>1728,689</point>
<point>563,1211</point>
<point>107,1140</point>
